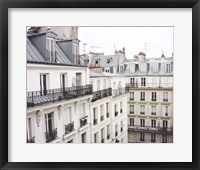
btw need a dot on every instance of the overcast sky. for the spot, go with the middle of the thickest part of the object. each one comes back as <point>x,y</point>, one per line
<point>157,39</point>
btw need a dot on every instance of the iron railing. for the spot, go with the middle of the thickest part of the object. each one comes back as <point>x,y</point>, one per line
<point>69,127</point>
<point>35,98</point>
<point>156,129</point>
<point>101,94</point>
<point>83,121</point>
<point>51,135</point>
<point>149,85</point>
<point>119,91</point>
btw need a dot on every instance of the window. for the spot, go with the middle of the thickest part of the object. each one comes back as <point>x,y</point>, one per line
<point>78,79</point>
<point>121,107</point>
<point>131,122</point>
<point>69,115</point>
<point>132,80</point>
<point>97,61</point>
<point>153,110</point>
<point>63,80</point>
<point>142,136</point>
<point>49,122</point>
<point>142,122</point>
<point>96,137</point>
<point>165,124</point>
<point>153,97</point>
<point>164,138</point>
<point>102,135</point>
<point>116,130</point>
<point>168,68</point>
<point>116,112</point>
<point>153,123</point>
<point>142,109</point>
<point>131,109</point>
<point>108,132</point>
<point>50,49</point>
<point>131,95</point>
<point>122,125</point>
<point>30,135</point>
<point>143,81</point>
<point>98,85</point>
<point>142,96</point>
<point>83,137</point>
<point>107,110</point>
<point>95,115</point>
<point>44,83</point>
<point>153,137</point>
<point>102,112</point>
<point>165,96</point>
<point>83,109</point>
<point>166,110</point>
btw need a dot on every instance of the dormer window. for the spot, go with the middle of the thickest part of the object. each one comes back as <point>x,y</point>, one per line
<point>168,68</point>
<point>50,49</point>
<point>97,61</point>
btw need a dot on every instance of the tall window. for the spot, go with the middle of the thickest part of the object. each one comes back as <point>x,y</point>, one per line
<point>49,122</point>
<point>95,116</point>
<point>116,130</point>
<point>122,125</point>
<point>168,68</point>
<point>83,137</point>
<point>142,122</point>
<point>131,109</point>
<point>131,95</point>
<point>50,49</point>
<point>102,112</point>
<point>142,109</point>
<point>116,112</point>
<point>153,123</point>
<point>121,107</point>
<point>153,97</point>
<point>153,137</point>
<point>165,96</point>
<point>44,83</point>
<point>102,135</point>
<point>142,96</point>
<point>63,80</point>
<point>30,135</point>
<point>132,80</point>
<point>153,110</point>
<point>142,136</point>
<point>131,122</point>
<point>78,79</point>
<point>107,110</point>
<point>165,124</point>
<point>84,109</point>
<point>108,132</point>
<point>69,115</point>
<point>166,110</point>
<point>143,81</point>
<point>96,137</point>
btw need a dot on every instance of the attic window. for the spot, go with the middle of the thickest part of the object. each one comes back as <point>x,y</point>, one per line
<point>50,49</point>
<point>108,60</point>
<point>97,61</point>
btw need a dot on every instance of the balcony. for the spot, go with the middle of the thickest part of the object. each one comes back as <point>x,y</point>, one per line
<point>102,140</point>
<point>83,121</point>
<point>131,112</point>
<point>153,113</point>
<point>101,94</point>
<point>95,122</point>
<point>153,100</point>
<point>107,115</point>
<point>102,118</point>
<point>51,135</point>
<point>142,99</point>
<point>131,99</point>
<point>149,129</point>
<point>120,91</point>
<point>69,128</point>
<point>108,136</point>
<point>149,85</point>
<point>31,140</point>
<point>35,98</point>
<point>116,113</point>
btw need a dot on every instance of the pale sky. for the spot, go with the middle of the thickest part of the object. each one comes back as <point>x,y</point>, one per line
<point>157,39</point>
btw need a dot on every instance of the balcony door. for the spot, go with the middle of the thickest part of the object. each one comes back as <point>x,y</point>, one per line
<point>165,124</point>
<point>63,81</point>
<point>49,122</point>
<point>78,79</point>
<point>43,83</point>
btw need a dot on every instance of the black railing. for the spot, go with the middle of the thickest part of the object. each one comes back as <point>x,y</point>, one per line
<point>102,118</point>
<point>107,114</point>
<point>153,113</point>
<point>108,136</point>
<point>35,98</point>
<point>156,129</point>
<point>116,113</point>
<point>31,140</point>
<point>101,94</point>
<point>95,121</point>
<point>153,100</point>
<point>131,112</point>
<point>69,128</point>
<point>83,121</point>
<point>149,85</point>
<point>120,91</point>
<point>142,99</point>
<point>51,135</point>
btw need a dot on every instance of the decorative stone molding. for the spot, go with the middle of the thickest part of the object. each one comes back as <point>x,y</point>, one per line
<point>38,117</point>
<point>60,110</point>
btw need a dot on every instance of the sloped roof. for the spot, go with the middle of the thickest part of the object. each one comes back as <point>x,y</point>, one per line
<point>103,60</point>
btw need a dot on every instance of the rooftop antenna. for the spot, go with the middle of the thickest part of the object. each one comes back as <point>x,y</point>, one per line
<point>93,47</point>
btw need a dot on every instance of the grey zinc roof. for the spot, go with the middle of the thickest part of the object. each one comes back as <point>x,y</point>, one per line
<point>32,53</point>
<point>61,57</point>
<point>103,60</point>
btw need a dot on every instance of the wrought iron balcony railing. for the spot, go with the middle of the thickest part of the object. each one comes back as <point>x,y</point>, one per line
<point>83,121</point>
<point>119,91</point>
<point>101,94</point>
<point>35,98</point>
<point>156,129</point>
<point>69,127</point>
<point>31,140</point>
<point>149,85</point>
<point>51,135</point>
